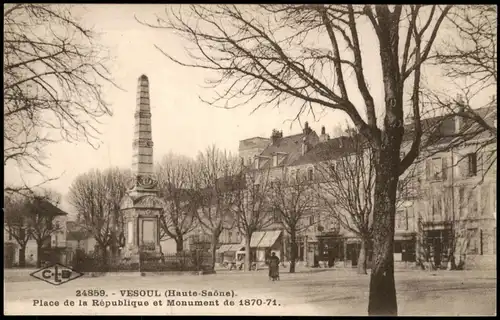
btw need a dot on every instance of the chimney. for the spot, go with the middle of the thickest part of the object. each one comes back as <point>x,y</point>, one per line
<point>275,135</point>
<point>304,146</point>
<point>459,116</point>
<point>324,137</point>
<point>307,130</point>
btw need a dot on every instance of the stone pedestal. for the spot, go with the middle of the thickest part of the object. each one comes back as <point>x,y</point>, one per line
<point>142,227</point>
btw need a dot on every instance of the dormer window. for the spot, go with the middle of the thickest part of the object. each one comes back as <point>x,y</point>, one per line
<point>310,174</point>
<point>275,160</point>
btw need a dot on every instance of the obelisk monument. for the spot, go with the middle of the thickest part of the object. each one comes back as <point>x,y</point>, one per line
<point>141,207</point>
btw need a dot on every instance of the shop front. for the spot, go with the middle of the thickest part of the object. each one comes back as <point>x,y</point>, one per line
<point>405,247</point>
<point>330,248</point>
<point>267,242</point>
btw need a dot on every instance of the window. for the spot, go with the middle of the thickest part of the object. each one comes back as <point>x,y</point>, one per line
<point>436,207</point>
<point>486,200</point>
<point>401,220</point>
<point>473,245</point>
<point>472,164</point>
<point>398,247</point>
<point>310,174</point>
<point>436,169</point>
<point>276,216</point>
<point>472,203</point>
<point>275,160</point>
<point>311,220</point>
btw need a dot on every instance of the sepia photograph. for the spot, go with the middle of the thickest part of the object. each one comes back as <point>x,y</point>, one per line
<point>250,159</point>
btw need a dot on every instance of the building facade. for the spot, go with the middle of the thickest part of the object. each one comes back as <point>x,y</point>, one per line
<point>447,209</point>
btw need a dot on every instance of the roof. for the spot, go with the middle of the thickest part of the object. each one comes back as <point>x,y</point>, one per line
<point>328,150</point>
<point>255,142</point>
<point>46,207</point>
<point>290,148</point>
<point>441,127</point>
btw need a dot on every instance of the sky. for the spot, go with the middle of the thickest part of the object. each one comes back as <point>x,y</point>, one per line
<point>181,123</point>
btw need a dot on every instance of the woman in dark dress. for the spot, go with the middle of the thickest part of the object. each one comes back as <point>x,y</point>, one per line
<point>274,264</point>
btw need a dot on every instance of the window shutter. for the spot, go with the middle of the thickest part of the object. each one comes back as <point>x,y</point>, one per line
<point>481,163</point>
<point>428,164</point>
<point>485,203</point>
<point>444,168</point>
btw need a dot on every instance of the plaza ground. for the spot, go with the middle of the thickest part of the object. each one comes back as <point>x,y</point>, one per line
<point>320,292</point>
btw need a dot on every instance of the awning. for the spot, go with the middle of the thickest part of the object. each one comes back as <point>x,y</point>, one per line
<point>256,238</point>
<point>227,248</point>
<point>269,239</point>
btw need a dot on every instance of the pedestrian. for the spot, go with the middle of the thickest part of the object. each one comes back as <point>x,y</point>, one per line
<point>274,270</point>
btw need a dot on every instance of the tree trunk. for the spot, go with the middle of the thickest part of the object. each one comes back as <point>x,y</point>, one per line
<point>451,256</point>
<point>362,257</point>
<point>22,256</point>
<point>114,248</point>
<point>104,257</point>
<point>213,249</point>
<point>39,254</point>
<point>179,244</point>
<point>382,299</point>
<point>248,256</point>
<point>293,251</point>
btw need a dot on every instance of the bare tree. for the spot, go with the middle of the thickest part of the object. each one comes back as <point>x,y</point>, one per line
<point>54,73</point>
<point>117,182</point>
<point>96,195</point>
<point>32,216</point>
<point>177,188</point>
<point>468,59</point>
<point>473,59</point>
<point>346,184</point>
<point>251,207</point>
<point>347,181</point>
<point>16,222</point>
<point>42,212</point>
<point>276,54</point>
<point>293,199</point>
<point>217,173</point>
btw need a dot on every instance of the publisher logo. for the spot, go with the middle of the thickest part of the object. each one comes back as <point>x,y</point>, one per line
<point>56,274</point>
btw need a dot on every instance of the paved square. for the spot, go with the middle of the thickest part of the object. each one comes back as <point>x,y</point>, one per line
<point>329,292</point>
